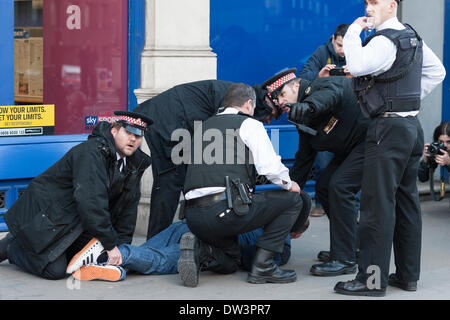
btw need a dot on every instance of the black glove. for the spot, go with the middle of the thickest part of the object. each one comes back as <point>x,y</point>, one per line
<point>300,112</point>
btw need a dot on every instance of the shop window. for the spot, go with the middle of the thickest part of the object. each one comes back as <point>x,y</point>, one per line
<point>70,65</point>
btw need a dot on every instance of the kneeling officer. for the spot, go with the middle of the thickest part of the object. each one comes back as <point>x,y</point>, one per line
<point>221,204</point>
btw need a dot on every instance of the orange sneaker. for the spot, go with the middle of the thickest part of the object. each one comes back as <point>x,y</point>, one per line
<point>98,272</point>
<point>86,256</point>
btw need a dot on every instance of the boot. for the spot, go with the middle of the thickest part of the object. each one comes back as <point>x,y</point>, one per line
<point>194,256</point>
<point>265,270</point>
<point>4,243</point>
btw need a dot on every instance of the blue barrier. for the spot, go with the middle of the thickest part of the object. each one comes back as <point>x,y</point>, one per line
<point>23,158</point>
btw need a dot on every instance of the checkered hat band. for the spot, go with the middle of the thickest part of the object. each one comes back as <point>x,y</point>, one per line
<point>282,81</point>
<point>135,121</point>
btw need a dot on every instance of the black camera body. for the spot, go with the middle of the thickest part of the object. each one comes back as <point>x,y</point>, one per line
<point>435,148</point>
<point>337,72</point>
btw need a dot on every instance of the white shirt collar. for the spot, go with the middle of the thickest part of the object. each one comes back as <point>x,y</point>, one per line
<point>230,110</point>
<point>392,23</point>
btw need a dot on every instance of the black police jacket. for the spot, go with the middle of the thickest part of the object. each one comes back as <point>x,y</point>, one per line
<point>178,108</point>
<point>82,192</point>
<point>337,118</point>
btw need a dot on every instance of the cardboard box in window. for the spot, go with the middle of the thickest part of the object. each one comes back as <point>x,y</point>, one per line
<point>28,69</point>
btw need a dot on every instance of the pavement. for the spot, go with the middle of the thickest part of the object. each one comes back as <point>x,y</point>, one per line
<point>433,285</point>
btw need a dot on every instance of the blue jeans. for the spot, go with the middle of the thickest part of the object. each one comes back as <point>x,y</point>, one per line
<point>160,254</point>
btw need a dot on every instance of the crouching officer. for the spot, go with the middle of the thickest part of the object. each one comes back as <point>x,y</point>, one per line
<point>330,120</point>
<point>220,200</point>
<point>90,195</point>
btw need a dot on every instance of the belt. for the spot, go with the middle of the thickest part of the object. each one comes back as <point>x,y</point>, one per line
<point>206,201</point>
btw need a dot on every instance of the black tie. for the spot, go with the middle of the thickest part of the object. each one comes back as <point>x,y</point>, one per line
<point>119,164</point>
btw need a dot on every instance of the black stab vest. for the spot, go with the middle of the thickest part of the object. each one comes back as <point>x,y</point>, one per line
<point>399,88</point>
<point>224,155</point>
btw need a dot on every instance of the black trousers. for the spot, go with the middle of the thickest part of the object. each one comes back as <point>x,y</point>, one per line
<point>33,264</point>
<point>390,207</point>
<point>336,189</point>
<point>166,191</point>
<point>275,210</point>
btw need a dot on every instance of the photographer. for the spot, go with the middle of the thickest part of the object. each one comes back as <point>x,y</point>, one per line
<point>436,153</point>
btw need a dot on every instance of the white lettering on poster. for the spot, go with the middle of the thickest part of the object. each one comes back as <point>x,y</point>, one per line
<point>74,19</point>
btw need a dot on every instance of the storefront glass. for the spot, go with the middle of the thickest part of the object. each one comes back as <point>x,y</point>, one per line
<point>70,63</point>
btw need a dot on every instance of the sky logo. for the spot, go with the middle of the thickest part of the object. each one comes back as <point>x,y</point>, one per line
<point>91,121</point>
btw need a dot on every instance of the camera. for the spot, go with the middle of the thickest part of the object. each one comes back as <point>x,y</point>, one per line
<point>337,72</point>
<point>435,148</point>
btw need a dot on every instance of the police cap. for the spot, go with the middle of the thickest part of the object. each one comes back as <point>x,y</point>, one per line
<point>133,122</point>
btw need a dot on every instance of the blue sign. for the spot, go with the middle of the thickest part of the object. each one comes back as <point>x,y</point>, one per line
<point>91,120</point>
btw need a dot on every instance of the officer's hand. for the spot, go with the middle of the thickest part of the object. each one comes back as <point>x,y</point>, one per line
<point>365,22</point>
<point>114,257</point>
<point>295,187</point>
<point>299,112</point>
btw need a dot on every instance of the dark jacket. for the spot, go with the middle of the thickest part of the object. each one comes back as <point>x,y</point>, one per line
<point>178,108</point>
<point>323,55</point>
<point>337,118</point>
<point>82,192</point>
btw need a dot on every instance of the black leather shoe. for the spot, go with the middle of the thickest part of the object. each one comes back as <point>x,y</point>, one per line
<point>323,256</point>
<point>333,268</point>
<point>356,288</point>
<point>4,243</point>
<point>264,269</point>
<point>405,285</point>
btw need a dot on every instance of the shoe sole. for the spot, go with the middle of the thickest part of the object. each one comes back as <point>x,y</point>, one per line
<point>88,273</point>
<point>261,279</point>
<point>361,294</point>
<point>187,266</point>
<point>75,258</point>
<point>333,274</point>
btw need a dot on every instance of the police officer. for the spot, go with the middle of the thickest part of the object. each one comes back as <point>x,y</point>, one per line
<point>329,106</point>
<point>178,108</point>
<point>220,200</point>
<point>90,195</point>
<point>394,69</point>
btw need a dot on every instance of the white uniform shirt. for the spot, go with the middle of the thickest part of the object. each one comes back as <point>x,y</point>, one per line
<point>265,159</point>
<point>379,55</point>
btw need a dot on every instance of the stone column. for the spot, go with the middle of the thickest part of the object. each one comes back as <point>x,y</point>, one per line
<point>176,51</point>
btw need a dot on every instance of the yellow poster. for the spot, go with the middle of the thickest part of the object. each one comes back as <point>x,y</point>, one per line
<point>27,116</point>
